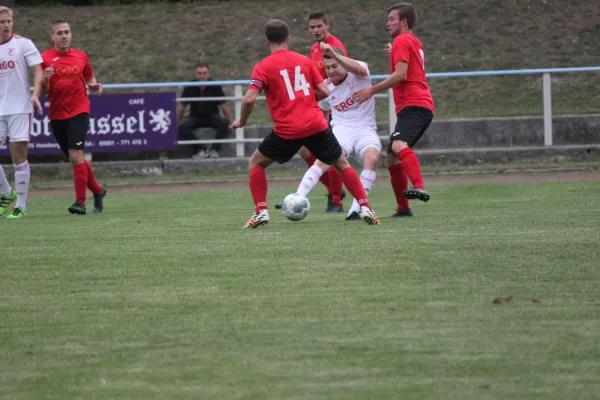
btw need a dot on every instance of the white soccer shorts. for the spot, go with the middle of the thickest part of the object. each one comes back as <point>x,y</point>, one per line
<point>17,127</point>
<point>355,140</point>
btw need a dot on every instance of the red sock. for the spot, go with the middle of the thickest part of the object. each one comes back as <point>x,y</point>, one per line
<point>258,187</point>
<point>411,166</point>
<point>334,186</point>
<point>80,178</point>
<point>354,186</point>
<point>92,183</point>
<point>399,182</point>
<point>310,160</point>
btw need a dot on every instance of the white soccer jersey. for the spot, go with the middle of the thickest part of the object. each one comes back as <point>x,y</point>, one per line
<point>344,109</point>
<point>16,56</point>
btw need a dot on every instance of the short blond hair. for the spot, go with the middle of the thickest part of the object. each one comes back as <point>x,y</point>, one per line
<point>6,10</point>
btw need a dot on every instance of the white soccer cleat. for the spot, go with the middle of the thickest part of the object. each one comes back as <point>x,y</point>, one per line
<point>262,218</point>
<point>368,215</point>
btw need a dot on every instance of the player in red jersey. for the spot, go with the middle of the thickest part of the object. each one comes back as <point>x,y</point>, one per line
<point>68,71</point>
<point>292,86</point>
<point>414,106</point>
<point>318,25</point>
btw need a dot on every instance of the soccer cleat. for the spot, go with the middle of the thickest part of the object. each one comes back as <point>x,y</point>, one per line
<point>334,208</point>
<point>420,194</point>
<point>77,208</point>
<point>262,218</point>
<point>353,216</point>
<point>6,201</point>
<point>368,215</point>
<point>99,201</point>
<point>18,213</point>
<point>279,205</point>
<point>407,212</point>
<point>331,206</point>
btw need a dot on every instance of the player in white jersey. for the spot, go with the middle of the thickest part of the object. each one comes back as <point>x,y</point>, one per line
<point>353,123</point>
<point>17,56</point>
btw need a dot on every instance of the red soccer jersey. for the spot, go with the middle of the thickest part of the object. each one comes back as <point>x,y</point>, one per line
<point>288,80</point>
<point>66,88</point>
<point>316,54</point>
<point>414,91</point>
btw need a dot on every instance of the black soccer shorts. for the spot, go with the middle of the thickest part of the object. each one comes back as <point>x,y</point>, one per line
<point>323,145</point>
<point>70,133</point>
<point>411,124</point>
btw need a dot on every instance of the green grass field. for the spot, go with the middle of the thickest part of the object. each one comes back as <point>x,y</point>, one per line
<point>164,296</point>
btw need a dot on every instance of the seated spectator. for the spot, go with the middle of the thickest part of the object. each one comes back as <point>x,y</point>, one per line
<point>203,114</point>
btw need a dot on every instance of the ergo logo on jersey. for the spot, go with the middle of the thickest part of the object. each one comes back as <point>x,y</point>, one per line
<point>344,105</point>
<point>67,71</point>
<point>7,65</point>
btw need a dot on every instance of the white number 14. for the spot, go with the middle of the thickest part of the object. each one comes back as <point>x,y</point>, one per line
<point>300,83</point>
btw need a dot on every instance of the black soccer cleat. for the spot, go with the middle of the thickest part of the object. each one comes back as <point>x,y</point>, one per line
<point>332,207</point>
<point>407,212</point>
<point>353,217</point>
<point>419,194</point>
<point>99,201</point>
<point>77,208</point>
<point>279,205</point>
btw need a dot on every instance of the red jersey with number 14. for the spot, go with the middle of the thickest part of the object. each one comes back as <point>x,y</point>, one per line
<point>414,91</point>
<point>288,80</point>
<point>66,88</point>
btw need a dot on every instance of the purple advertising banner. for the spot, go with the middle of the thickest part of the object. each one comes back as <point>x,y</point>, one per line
<point>118,122</point>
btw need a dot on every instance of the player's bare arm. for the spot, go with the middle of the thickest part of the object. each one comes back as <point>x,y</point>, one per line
<point>38,84</point>
<point>349,64</point>
<point>247,107</point>
<point>395,78</point>
<point>93,85</point>
<point>321,91</point>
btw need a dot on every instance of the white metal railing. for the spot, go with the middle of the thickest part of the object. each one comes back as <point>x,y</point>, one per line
<point>238,96</point>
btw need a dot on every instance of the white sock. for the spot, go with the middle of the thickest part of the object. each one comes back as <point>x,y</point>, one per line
<point>22,176</point>
<point>5,188</point>
<point>367,178</point>
<point>310,180</point>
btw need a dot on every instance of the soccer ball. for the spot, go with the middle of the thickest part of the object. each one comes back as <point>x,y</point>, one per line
<point>295,207</point>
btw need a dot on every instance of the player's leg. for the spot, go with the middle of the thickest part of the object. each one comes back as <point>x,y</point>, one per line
<point>19,129</point>
<point>98,191</point>
<point>75,145</point>
<point>399,182</point>
<point>76,136</point>
<point>327,149</point>
<point>311,177</point>
<point>332,181</point>
<point>7,193</point>
<point>272,148</point>
<point>410,126</point>
<point>368,148</point>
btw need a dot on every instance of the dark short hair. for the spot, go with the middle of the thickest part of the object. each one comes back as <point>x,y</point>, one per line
<point>405,11</point>
<point>56,22</point>
<point>201,65</point>
<point>318,15</point>
<point>337,50</point>
<point>276,31</point>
